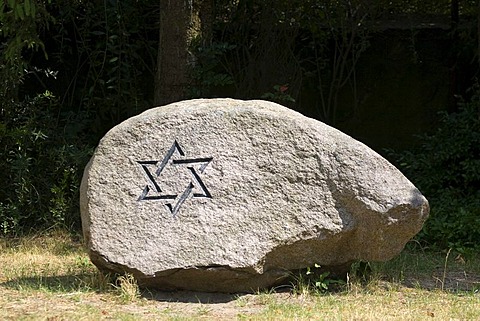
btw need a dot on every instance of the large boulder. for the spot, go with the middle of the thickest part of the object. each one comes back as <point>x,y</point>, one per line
<point>230,196</point>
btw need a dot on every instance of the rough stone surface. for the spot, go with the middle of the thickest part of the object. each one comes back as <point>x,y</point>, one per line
<point>227,195</point>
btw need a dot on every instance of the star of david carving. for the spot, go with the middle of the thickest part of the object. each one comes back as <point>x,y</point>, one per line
<point>175,157</point>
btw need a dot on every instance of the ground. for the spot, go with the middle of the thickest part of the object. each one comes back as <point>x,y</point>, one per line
<point>51,278</point>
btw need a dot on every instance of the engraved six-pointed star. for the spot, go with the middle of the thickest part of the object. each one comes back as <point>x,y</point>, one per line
<point>175,157</point>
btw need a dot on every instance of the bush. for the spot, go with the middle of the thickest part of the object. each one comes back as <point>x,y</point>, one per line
<point>446,168</point>
<point>41,165</point>
<point>97,57</point>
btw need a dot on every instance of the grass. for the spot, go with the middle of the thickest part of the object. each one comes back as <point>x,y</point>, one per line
<point>50,277</point>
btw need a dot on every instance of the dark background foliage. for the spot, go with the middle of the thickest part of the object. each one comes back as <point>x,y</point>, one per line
<point>379,70</point>
<point>446,167</point>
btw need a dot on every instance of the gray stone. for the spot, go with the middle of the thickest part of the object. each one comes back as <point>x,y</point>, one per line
<point>229,196</point>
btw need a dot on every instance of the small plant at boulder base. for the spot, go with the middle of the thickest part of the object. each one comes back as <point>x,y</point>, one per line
<point>321,281</point>
<point>127,288</point>
<point>313,280</point>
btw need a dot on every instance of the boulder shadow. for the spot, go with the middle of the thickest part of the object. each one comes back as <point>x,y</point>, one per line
<point>183,296</point>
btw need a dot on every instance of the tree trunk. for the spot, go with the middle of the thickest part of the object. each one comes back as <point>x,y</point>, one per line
<point>478,34</point>
<point>179,25</point>
<point>454,14</point>
<point>207,15</point>
<point>478,44</point>
<point>454,20</point>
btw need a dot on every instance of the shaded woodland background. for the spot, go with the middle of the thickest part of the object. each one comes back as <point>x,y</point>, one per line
<point>400,76</point>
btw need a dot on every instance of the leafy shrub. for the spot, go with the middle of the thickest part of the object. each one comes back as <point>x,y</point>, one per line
<point>41,162</point>
<point>97,57</point>
<point>207,72</point>
<point>446,168</point>
<point>105,53</point>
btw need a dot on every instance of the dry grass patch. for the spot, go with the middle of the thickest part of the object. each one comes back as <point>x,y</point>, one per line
<point>381,304</point>
<point>51,278</point>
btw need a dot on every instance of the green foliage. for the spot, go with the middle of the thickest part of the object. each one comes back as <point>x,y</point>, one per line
<point>207,72</point>
<point>108,55</point>
<point>20,22</point>
<point>41,166</point>
<point>54,108</point>
<point>279,94</point>
<point>70,70</point>
<point>315,280</point>
<point>446,168</point>
<point>20,26</point>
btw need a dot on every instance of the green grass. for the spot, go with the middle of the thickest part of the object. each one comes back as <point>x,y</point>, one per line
<point>50,277</point>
